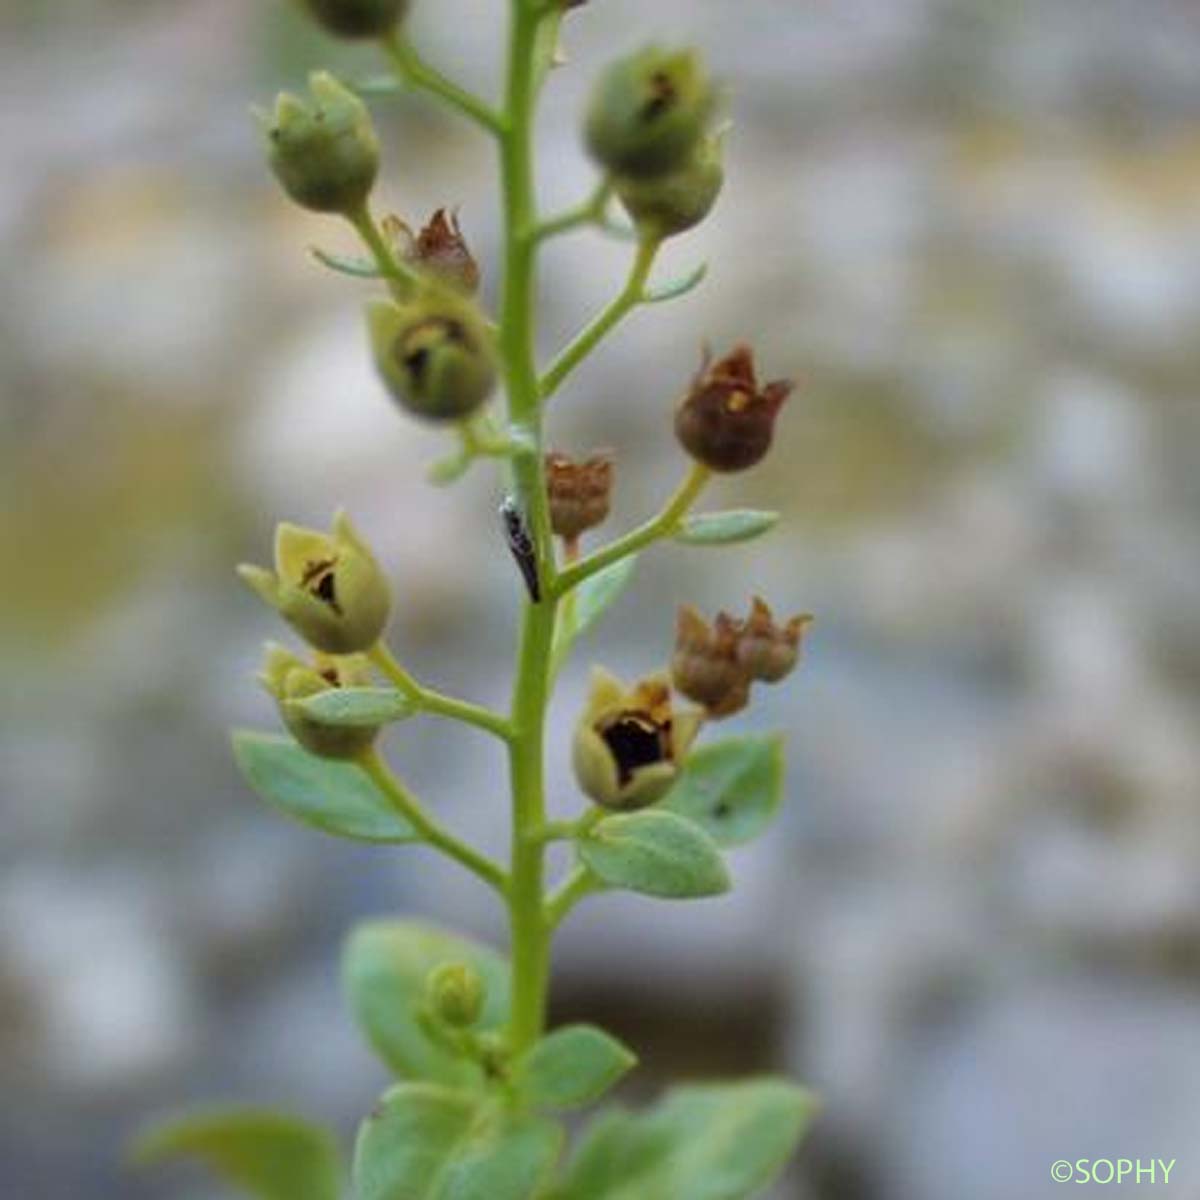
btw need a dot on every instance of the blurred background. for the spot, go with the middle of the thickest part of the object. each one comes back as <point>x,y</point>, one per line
<point>971,228</point>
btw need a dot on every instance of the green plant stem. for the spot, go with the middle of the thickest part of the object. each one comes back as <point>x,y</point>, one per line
<point>630,296</point>
<point>580,883</point>
<point>435,702</point>
<point>414,70</point>
<point>407,805</point>
<point>400,278</point>
<point>663,525</point>
<point>530,935</point>
<point>590,212</point>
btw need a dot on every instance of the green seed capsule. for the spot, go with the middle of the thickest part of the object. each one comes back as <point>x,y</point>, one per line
<point>648,112</point>
<point>288,678</point>
<point>357,18</point>
<point>455,993</point>
<point>435,354</point>
<point>669,204</point>
<point>326,154</point>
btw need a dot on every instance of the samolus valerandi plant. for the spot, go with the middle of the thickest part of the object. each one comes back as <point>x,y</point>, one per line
<point>482,1082</point>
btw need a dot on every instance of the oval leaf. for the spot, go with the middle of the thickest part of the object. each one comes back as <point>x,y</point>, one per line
<point>725,528</point>
<point>384,966</point>
<point>675,288</point>
<point>334,797</point>
<point>426,1142</point>
<point>357,707</point>
<point>267,1155</point>
<point>571,1067</point>
<point>732,788</point>
<point>596,595</point>
<point>712,1142</point>
<point>359,268</point>
<point>656,853</point>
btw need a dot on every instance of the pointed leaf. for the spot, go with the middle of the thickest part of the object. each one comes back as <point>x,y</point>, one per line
<point>732,789</point>
<point>675,288</point>
<point>711,1142</point>
<point>427,1142</point>
<point>335,797</point>
<point>725,528</point>
<point>384,966</point>
<point>357,707</point>
<point>267,1155</point>
<point>656,853</point>
<point>571,1067</point>
<point>360,268</point>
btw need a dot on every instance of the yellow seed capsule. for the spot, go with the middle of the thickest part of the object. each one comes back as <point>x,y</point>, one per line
<point>455,994</point>
<point>435,354</point>
<point>288,678</point>
<point>325,154</point>
<point>629,743</point>
<point>328,587</point>
<point>649,111</point>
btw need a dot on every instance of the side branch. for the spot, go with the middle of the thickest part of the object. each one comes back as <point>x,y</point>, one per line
<point>663,525</point>
<point>630,296</point>
<point>407,805</point>
<point>415,71</point>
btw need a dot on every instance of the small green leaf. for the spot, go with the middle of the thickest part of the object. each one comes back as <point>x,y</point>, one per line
<point>656,853</point>
<point>596,595</point>
<point>731,789</point>
<point>267,1155</point>
<point>360,268</point>
<point>335,797</point>
<point>357,707</point>
<point>675,288</point>
<point>379,85</point>
<point>384,967</point>
<point>427,1142</point>
<point>725,528</point>
<point>711,1142</point>
<point>571,1067</point>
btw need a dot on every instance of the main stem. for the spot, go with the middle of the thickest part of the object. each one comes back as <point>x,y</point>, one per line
<point>530,931</point>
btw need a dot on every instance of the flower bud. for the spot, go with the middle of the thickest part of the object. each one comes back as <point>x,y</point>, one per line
<point>289,678</point>
<point>357,18</point>
<point>649,111</point>
<point>455,994</point>
<point>665,205</point>
<point>579,492</point>
<point>325,154</point>
<point>726,422</point>
<point>706,667</point>
<point>329,588</point>
<point>629,743</point>
<point>435,354</point>
<point>439,249</point>
<point>769,652</point>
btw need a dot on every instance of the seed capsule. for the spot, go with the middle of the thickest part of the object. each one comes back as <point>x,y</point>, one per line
<point>326,154</point>
<point>580,492</point>
<point>288,679</point>
<point>629,743</point>
<point>455,994</point>
<point>667,205</point>
<point>706,666</point>
<point>435,354</point>
<point>439,249</point>
<point>769,652</point>
<point>649,111</point>
<point>327,586</point>
<point>357,18</point>
<point>726,421</point>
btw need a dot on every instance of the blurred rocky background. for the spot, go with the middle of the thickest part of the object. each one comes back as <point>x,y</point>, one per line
<point>972,229</point>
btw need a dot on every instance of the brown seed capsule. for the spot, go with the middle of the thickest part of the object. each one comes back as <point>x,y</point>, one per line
<point>439,248</point>
<point>579,492</point>
<point>768,652</point>
<point>726,421</point>
<point>706,667</point>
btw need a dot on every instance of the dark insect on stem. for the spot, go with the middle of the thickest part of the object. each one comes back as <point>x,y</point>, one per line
<point>520,545</point>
